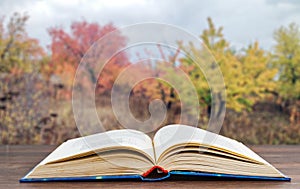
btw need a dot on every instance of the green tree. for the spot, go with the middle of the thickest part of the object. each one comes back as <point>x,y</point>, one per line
<point>247,75</point>
<point>257,74</point>
<point>287,59</point>
<point>17,50</point>
<point>230,66</point>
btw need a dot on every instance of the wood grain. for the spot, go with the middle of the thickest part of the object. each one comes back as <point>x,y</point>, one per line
<point>16,161</point>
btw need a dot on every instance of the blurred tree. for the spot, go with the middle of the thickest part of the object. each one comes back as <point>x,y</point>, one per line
<point>247,75</point>
<point>23,92</point>
<point>18,52</point>
<point>287,59</point>
<point>68,48</point>
<point>214,40</point>
<point>156,88</point>
<point>257,76</point>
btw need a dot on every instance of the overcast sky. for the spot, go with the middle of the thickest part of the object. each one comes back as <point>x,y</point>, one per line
<point>244,21</point>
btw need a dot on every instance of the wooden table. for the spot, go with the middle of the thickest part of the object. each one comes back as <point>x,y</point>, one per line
<point>16,161</point>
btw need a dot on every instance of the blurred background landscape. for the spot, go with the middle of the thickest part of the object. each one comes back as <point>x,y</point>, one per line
<point>261,71</point>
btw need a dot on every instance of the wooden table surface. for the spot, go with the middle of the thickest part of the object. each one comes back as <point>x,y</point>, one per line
<point>16,161</point>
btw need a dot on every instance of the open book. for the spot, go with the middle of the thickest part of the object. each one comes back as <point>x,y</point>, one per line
<point>175,150</point>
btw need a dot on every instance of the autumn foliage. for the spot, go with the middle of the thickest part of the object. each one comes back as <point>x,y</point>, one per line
<point>18,52</point>
<point>68,49</point>
<point>262,87</point>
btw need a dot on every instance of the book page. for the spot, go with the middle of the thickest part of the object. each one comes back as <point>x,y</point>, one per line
<point>110,139</point>
<point>172,135</point>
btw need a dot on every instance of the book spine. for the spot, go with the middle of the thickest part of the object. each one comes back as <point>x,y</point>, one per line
<point>157,168</point>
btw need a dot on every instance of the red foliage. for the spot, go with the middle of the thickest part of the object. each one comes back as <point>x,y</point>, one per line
<point>68,48</point>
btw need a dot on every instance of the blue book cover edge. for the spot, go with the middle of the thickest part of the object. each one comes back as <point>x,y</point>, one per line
<point>139,177</point>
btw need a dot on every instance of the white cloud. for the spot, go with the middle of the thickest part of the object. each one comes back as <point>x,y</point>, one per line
<point>243,21</point>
